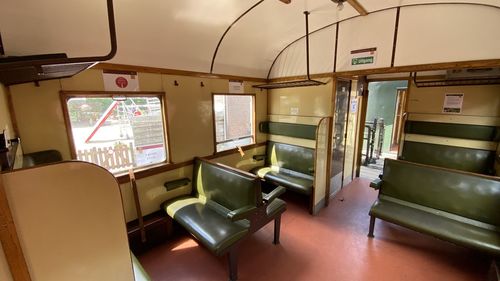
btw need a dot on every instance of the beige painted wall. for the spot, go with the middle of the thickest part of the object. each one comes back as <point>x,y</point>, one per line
<point>301,101</point>
<point>5,120</point>
<point>481,101</point>
<point>189,116</point>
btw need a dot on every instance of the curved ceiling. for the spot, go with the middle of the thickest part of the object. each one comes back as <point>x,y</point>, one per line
<point>177,34</point>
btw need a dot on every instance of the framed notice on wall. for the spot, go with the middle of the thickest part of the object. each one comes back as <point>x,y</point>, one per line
<point>453,103</point>
<point>120,80</point>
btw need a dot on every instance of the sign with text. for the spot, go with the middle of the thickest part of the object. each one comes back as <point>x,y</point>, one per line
<point>363,56</point>
<point>120,81</point>
<point>453,103</point>
<point>236,87</point>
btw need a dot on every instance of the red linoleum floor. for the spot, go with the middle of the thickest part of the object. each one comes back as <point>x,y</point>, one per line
<point>330,246</point>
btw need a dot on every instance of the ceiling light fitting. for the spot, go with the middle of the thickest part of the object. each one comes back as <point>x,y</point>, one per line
<point>340,4</point>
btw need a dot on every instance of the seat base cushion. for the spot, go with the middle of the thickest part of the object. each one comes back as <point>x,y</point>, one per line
<point>293,182</point>
<point>212,229</point>
<point>432,223</point>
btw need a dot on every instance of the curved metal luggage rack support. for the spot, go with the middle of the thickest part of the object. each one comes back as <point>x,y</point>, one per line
<point>34,68</point>
<point>299,83</point>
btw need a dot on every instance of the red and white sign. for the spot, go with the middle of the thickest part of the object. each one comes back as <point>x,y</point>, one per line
<point>120,81</point>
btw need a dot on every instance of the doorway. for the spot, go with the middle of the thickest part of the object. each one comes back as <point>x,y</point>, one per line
<point>383,125</point>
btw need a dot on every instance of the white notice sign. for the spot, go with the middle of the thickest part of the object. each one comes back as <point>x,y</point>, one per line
<point>236,87</point>
<point>120,81</point>
<point>453,103</point>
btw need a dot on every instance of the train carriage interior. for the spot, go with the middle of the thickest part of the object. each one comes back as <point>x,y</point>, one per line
<point>249,140</point>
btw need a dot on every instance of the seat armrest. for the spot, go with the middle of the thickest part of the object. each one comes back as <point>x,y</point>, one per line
<point>241,213</point>
<point>259,157</point>
<point>376,184</point>
<point>268,198</point>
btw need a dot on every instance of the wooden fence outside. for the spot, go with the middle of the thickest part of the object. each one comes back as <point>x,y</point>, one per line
<point>116,157</point>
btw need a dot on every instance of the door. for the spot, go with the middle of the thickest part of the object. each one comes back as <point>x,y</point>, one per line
<point>339,134</point>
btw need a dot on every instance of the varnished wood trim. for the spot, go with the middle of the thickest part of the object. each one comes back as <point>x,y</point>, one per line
<point>429,77</point>
<point>336,48</point>
<point>151,171</point>
<point>213,116</point>
<point>10,241</point>
<point>234,150</point>
<point>12,112</point>
<point>69,133</point>
<point>358,7</point>
<point>395,41</point>
<point>165,167</point>
<point>398,69</point>
<point>362,108</point>
<point>148,69</point>
<point>328,161</point>
<point>66,95</point>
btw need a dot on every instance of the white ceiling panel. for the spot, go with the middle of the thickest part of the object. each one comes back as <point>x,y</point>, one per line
<point>77,27</point>
<point>173,34</point>
<point>372,5</point>
<point>292,61</point>
<point>253,43</point>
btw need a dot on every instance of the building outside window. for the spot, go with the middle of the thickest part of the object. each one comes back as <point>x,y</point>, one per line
<point>118,132</point>
<point>234,120</point>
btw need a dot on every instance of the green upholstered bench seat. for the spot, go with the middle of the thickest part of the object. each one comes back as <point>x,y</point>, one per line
<point>206,223</point>
<point>296,182</point>
<point>290,166</point>
<point>226,205</point>
<point>434,222</point>
<point>453,205</point>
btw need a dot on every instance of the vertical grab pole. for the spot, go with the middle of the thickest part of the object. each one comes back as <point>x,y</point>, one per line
<point>307,43</point>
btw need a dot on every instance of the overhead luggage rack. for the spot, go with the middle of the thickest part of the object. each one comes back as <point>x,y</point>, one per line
<point>290,84</point>
<point>297,83</point>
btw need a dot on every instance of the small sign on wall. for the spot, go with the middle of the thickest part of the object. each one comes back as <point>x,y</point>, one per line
<point>453,103</point>
<point>236,87</point>
<point>363,56</point>
<point>120,80</point>
<point>354,106</point>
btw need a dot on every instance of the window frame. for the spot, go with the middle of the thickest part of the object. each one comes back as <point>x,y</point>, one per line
<point>254,125</point>
<point>65,96</point>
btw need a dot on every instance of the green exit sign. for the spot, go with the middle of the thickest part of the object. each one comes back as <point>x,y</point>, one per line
<point>362,60</point>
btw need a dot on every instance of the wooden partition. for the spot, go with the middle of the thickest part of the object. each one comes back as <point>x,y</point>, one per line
<point>70,223</point>
<point>321,175</point>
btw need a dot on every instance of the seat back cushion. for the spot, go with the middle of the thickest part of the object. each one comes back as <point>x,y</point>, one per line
<point>471,196</point>
<point>291,157</point>
<point>460,158</point>
<point>227,187</point>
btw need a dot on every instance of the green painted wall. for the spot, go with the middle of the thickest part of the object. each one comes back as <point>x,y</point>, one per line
<point>382,104</point>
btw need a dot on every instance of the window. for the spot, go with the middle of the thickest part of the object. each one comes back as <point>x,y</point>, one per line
<point>117,132</point>
<point>234,120</point>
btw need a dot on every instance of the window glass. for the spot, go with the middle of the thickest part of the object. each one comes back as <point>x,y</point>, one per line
<point>118,133</point>
<point>233,121</point>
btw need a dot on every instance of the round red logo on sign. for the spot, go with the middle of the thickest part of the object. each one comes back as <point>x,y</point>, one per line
<point>121,82</point>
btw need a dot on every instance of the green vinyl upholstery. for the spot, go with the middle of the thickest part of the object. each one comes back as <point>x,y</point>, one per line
<point>459,207</point>
<point>226,205</point>
<point>290,166</point>
<point>460,158</point>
